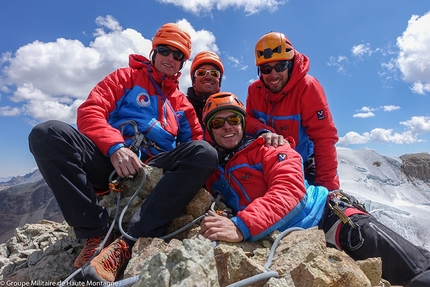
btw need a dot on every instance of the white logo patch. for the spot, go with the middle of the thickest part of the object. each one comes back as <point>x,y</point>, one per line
<point>143,99</point>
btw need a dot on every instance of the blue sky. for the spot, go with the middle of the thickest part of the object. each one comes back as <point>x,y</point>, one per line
<point>371,57</point>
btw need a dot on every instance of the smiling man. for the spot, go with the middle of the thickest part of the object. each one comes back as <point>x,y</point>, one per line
<point>206,74</point>
<point>293,104</point>
<point>266,191</point>
<point>134,115</point>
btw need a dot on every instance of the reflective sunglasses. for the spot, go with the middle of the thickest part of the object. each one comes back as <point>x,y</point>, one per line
<point>279,67</point>
<point>218,122</point>
<point>202,72</point>
<point>165,51</point>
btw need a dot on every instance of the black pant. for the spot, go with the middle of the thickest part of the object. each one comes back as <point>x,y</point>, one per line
<point>73,167</point>
<point>402,262</point>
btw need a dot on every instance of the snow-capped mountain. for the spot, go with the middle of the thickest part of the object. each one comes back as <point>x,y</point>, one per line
<point>389,195</point>
<point>398,200</point>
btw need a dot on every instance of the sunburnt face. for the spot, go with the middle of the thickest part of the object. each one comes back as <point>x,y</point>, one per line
<point>229,136</point>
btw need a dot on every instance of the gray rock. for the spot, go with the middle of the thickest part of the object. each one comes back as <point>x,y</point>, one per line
<point>190,265</point>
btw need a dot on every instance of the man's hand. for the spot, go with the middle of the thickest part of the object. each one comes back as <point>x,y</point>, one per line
<point>273,139</point>
<point>217,227</point>
<point>125,162</point>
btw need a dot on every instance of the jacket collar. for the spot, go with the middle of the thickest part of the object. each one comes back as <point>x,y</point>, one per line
<point>167,84</point>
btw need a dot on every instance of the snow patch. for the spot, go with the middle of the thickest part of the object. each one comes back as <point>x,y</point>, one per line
<point>377,181</point>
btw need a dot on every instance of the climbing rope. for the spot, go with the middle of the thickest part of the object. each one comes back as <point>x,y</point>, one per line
<point>116,186</point>
<point>245,282</point>
<point>269,273</point>
<point>104,240</point>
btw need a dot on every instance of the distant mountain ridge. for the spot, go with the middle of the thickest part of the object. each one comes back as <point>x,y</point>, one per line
<point>26,202</point>
<point>28,199</point>
<point>29,177</point>
<point>417,166</point>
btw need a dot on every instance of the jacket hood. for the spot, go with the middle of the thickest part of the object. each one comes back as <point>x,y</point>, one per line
<point>136,61</point>
<point>301,66</point>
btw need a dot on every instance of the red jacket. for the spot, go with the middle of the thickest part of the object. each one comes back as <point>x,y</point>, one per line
<point>265,188</point>
<point>301,111</point>
<point>128,94</point>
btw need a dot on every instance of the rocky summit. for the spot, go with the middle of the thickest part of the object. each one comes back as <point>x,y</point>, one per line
<point>42,254</point>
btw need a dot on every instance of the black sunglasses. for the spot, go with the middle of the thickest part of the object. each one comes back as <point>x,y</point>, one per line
<point>279,67</point>
<point>218,122</point>
<point>165,51</point>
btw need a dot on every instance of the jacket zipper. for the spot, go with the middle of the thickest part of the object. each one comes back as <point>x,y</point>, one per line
<point>227,176</point>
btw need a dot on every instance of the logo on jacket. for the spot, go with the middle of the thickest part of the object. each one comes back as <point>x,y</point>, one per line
<point>285,128</point>
<point>321,115</point>
<point>246,176</point>
<point>143,99</point>
<point>282,156</point>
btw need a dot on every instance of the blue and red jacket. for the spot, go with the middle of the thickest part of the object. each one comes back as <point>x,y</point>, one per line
<point>266,190</point>
<point>164,115</point>
<point>299,111</point>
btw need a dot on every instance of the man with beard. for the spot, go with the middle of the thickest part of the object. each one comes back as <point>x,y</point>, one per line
<point>292,103</point>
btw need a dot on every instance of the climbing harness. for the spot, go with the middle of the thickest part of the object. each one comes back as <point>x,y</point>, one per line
<point>343,206</point>
<point>336,207</point>
<point>338,202</point>
<point>139,139</point>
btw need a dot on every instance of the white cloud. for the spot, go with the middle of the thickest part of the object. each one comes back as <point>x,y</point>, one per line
<point>414,57</point>
<point>367,112</point>
<point>353,138</point>
<point>361,50</point>
<point>206,6</point>
<point>338,62</point>
<point>420,88</point>
<point>416,126</point>
<point>9,111</point>
<point>363,115</point>
<point>237,63</point>
<point>390,65</point>
<point>380,135</point>
<point>109,22</point>
<point>52,110</point>
<point>59,75</point>
<point>390,108</point>
<point>367,109</point>
<point>50,80</point>
<point>364,112</point>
